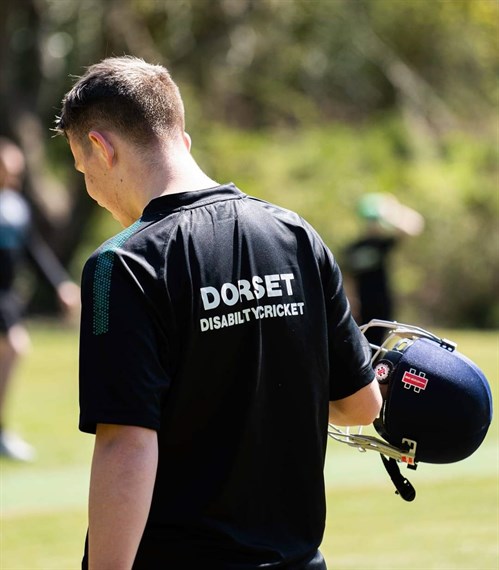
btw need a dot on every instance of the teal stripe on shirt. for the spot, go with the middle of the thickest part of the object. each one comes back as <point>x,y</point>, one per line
<point>102,278</point>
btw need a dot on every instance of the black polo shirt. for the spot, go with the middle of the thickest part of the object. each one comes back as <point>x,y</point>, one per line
<point>220,321</point>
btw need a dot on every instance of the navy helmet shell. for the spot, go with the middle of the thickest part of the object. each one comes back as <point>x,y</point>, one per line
<point>437,398</point>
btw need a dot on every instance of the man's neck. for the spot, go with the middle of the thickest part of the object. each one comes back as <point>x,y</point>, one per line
<point>181,175</point>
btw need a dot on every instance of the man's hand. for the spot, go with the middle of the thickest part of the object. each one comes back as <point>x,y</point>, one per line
<point>68,294</point>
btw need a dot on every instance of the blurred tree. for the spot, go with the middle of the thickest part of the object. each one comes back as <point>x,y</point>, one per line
<point>265,65</point>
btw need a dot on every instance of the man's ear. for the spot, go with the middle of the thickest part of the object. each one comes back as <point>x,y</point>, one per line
<point>187,141</point>
<point>103,147</point>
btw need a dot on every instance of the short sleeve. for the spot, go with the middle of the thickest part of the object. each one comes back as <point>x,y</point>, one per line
<point>123,377</point>
<point>349,351</point>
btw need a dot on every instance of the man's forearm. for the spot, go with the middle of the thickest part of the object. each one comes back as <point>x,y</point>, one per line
<point>121,485</point>
<point>361,408</point>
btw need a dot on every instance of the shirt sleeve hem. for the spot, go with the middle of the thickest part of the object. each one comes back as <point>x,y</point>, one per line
<point>89,425</point>
<point>365,377</point>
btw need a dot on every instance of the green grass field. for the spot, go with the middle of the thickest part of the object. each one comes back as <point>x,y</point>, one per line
<point>452,525</point>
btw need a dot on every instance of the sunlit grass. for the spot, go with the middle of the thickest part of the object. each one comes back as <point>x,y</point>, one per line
<point>452,524</point>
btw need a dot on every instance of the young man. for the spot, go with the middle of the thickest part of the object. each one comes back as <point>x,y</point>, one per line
<point>215,336</point>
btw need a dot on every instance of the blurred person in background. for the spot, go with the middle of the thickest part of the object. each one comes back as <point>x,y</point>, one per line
<point>366,260</point>
<point>19,241</point>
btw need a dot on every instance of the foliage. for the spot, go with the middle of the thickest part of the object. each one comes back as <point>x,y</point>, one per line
<point>336,96</point>
<point>272,61</point>
<point>322,172</point>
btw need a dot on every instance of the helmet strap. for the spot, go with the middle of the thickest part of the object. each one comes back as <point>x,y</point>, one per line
<point>403,485</point>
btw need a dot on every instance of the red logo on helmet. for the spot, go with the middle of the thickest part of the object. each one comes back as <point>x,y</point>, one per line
<point>382,371</point>
<point>418,381</point>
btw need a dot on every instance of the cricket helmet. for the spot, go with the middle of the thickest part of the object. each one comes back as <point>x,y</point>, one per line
<point>437,403</point>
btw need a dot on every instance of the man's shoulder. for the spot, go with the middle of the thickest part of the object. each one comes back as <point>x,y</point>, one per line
<point>118,243</point>
<point>117,240</point>
<point>275,209</point>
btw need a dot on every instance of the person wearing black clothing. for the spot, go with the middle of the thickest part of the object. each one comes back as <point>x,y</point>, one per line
<point>19,241</point>
<point>367,259</point>
<point>216,341</point>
